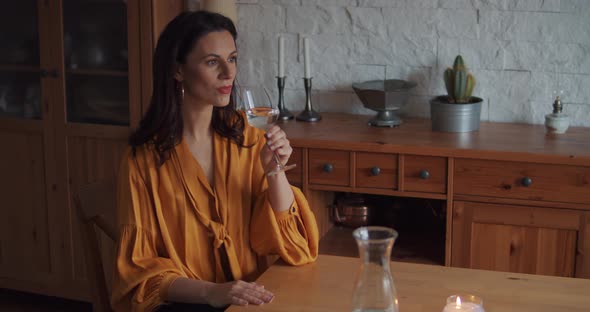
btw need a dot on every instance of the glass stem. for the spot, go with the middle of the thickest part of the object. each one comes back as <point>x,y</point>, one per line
<point>277,159</point>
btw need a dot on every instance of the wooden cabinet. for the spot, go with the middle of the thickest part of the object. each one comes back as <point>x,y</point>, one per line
<point>72,84</point>
<point>521,239</point>
<point>510,205</point>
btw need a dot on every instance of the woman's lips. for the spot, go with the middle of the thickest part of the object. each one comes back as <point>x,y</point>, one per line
<point>224,90</point>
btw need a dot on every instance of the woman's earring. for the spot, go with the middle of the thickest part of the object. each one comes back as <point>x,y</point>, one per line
<point>182,92</point>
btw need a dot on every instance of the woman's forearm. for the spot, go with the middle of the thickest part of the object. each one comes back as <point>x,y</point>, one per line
<point>187,290</point>
<point>218,295</point>
<point>280,194</point>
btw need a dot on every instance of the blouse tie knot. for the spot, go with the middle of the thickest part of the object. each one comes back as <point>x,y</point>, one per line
<point>219,234</point>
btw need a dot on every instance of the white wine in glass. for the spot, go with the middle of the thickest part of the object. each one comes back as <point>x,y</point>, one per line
<point>262,117</point>
<point>262,114</point>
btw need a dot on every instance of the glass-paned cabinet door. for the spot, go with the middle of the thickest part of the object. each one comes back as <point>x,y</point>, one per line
<point>95,59</point>
<point>20,87</point>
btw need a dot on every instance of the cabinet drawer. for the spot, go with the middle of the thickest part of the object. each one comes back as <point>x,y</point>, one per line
<point>376,170</point>
<point>517,180</point>
<point>294,175</point>
<point>329,167</point>
<point>425,174</point>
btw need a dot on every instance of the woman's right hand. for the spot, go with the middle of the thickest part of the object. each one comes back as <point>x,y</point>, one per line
<point>238,293</point>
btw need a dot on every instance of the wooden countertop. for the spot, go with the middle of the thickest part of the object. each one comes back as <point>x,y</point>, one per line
<point>327,285</point>
<point>499,141</point>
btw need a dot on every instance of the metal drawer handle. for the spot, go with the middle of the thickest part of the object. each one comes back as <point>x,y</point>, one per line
<point>424,174</point>
<point>526,181</point>
<point>328,168</point>
<point>375,171</point>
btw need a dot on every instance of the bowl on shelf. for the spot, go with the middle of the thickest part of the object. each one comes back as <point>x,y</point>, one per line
<point>385,97</point>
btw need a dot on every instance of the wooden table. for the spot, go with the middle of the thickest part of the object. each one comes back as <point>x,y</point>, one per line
<point>327,285</point>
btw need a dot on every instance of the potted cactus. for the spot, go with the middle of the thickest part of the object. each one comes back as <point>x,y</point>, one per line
<point>458,111</point>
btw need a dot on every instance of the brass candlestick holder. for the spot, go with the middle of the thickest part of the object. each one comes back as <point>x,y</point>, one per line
<point>308,114</point>
<point>284,113</point>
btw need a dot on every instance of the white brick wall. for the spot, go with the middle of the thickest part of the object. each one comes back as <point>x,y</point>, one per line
<point>518,51</point>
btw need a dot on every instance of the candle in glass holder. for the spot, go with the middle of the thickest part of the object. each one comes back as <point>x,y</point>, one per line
<point>464,303</point>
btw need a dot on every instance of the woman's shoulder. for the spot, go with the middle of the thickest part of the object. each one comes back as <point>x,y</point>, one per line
<point>140,158</point>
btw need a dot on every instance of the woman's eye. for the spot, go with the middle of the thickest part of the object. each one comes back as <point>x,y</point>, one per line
<point>233,59</point>
<point>212,62</point>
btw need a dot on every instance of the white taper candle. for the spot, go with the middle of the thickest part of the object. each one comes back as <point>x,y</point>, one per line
<point>307,73</point>
<point>281,57</point>
<point>223,7</point>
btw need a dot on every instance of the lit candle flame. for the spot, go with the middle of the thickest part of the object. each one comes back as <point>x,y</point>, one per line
<point>458,302</point>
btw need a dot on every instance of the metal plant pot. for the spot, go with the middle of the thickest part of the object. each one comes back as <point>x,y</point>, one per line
<point>455,117</point>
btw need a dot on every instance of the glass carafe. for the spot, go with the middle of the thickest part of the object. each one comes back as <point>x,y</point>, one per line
<point>375,290</point>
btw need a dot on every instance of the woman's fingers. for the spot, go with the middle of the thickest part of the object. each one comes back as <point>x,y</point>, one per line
<point>277,143</point>
<point>247,293</point>
<point>260,292</point>
<point>238,293</point>
<point>272,130</point>
<point>284,150</point>
<point>277,140</point>
<point>235,300</point>
<point>275,133</point>
<point>251,299</point>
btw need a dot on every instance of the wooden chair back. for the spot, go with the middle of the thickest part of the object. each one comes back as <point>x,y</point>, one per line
<point>96,206</point>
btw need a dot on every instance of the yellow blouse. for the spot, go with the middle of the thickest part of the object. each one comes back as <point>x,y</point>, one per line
<point>172,222</point>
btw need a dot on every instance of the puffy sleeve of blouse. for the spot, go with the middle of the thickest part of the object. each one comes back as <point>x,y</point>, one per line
<point>292,234</point>
<point>141,277</point>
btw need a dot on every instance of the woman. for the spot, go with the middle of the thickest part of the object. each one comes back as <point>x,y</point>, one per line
<point>196,208</point>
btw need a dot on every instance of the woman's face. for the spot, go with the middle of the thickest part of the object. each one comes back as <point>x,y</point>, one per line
<point>209,71</point>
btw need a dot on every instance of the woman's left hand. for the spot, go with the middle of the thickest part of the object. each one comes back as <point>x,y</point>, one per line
<point>276,141</point>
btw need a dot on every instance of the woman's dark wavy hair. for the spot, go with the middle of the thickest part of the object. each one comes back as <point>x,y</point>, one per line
<point>162,125</point>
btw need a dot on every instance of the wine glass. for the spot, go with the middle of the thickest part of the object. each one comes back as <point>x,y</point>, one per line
<point>261,114</point>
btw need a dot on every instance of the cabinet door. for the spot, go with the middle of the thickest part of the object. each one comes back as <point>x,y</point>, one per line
<point>102,64</point>
<point>520,239</point>
<point>26,170</point>
<point>20,63</point>
<point>70,74</point>
<point>100,99</point>
<point>96,56</point>
<point>24,215</point>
